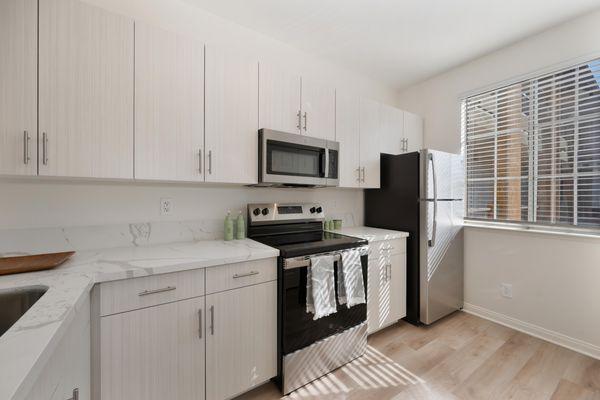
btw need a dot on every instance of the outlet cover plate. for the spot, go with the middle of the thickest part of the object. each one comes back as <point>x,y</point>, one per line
<point>166,206</point>
<point>507,290</point>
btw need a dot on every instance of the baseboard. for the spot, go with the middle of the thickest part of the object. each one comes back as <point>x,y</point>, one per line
<point>542,333</point>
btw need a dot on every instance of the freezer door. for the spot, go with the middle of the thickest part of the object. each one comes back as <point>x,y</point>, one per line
<point>441,244</point>
<point>447,171</point>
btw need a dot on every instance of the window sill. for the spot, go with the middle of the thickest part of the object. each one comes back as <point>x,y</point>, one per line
<point>531,229</point>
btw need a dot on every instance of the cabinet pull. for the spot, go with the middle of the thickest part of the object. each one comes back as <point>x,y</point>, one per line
<point>200,323</point>
<point>358,177</point>
<point>165,289</point>
<point>299,120</point>
<point>44,148</point>
<point>388,271</point>
<point>200,160</point>
<point>388,248</point>
<point>75,395</point>
<point>210,162</point>
<point>212,320</point>
<point>26,138</point>
<point>305,121</point>
<point>363,174</point>
<point>235,276</point>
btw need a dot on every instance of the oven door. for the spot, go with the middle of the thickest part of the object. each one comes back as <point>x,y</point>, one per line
<point>291,159</point>
<point>298,329</point>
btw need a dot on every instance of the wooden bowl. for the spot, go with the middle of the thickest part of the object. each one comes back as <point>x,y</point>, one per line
<point>38,262</point>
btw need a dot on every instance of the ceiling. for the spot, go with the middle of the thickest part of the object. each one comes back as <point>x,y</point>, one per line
<point>398,42</point>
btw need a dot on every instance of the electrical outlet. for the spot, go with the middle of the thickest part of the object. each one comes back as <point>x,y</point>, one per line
<point>506,290</point>
<point>166,206</point>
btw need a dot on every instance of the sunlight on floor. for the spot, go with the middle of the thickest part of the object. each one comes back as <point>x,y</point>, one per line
<point>374,370</point>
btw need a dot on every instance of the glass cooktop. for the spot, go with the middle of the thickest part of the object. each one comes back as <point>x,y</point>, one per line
<point>307,243</point>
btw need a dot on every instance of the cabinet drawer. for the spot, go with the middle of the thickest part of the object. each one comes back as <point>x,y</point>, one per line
<point>386,248</point>
<point>238,275</point>
<point>135,293</point>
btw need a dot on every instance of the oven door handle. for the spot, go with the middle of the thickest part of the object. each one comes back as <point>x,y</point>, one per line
<point>304,261</point>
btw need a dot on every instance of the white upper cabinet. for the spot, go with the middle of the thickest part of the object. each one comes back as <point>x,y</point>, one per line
<point>231,117</point>
<point>413,132</point>
<point>370,137</point>
<point>18,89</point>
<point>348,135</point>
<point>169,105</point>
<point>85,91</point>
<point>392,127</point>
<point>279,99</point>
<point>318,110</point>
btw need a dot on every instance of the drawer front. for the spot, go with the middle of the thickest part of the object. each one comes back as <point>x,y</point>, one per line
<point>238,275</point>
<point>135,293</point>
<point>386,248</point>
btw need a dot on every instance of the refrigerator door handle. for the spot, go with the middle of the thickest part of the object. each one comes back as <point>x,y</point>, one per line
<point>431,242</point>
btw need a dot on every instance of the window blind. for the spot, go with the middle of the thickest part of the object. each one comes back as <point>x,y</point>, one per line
<point>532,150</point>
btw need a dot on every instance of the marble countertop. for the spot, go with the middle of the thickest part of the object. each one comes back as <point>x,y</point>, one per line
<point>372,234</point>
<point>28,344</point>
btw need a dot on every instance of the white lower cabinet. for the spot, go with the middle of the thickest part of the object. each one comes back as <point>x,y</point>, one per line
<point>386,302</point>
<point>241,339</point>
<point>214,345</point>
<point>154,353</point>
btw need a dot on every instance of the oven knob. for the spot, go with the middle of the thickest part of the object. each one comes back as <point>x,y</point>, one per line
<point>256,211</point>
<point>319,210</point>
<point>265,211</point>
<point>313,210</point>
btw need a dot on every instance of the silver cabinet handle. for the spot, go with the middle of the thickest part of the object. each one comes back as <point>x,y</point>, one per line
<point>358,171</point>
<point>431,241</point>
<point>212,320</point>
<point>165,289</point>
<point>389,267</point>
<point>26,139</point>
<point>235,276</point>
<point>299,120</point>
<point>200,323</point>
<point>363,174</point>
<point>387,248</point>
<point>406,145</point>
<point>44,148</point>
<point>305,121</point>
<point>75,395</point>
<point>210,162</point>
<point>200,160</point>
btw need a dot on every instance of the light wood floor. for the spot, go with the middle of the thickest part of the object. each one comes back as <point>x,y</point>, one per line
<point>460,357</point>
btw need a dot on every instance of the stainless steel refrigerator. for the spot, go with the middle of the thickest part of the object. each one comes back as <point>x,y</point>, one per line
<point>422,193</point>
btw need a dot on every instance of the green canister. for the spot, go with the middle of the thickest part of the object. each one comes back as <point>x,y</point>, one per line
<point>240,228</point>
<point>228,226</point>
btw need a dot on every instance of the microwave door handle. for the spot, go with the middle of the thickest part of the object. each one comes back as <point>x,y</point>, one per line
<point>326,163</point>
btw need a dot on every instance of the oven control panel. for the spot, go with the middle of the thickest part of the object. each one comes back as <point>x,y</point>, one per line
<point>284,212</point>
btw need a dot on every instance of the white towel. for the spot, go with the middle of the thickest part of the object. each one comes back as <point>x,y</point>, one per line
<point>351,286</point>
<point>320,287</point>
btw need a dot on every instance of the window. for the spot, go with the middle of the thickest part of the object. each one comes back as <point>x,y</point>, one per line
<point>532,150</point>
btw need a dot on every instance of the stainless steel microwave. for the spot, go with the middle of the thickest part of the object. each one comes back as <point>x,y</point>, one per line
<point>292,160</point>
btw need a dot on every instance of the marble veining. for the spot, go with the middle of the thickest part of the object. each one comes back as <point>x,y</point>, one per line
<point>29,343</point>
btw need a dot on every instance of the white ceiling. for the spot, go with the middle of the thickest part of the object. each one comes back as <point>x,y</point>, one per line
<point>398,42</point>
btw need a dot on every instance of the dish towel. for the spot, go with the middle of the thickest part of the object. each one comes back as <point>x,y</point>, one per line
<point>320,287</point>
<point>351,286</point>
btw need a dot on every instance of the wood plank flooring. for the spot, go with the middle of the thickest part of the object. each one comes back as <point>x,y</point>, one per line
<point>460,357</point>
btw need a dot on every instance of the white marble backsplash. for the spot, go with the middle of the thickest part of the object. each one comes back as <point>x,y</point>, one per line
<point>82,238</point>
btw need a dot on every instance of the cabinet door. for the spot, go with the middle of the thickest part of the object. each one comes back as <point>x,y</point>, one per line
<point>18,89</point>
<point>154,353</point>
<point>241,341</point>
<point>379,296</point>
<point>231,117</point>
<point>348,135</point>
<point>397,278</point>
<point>370,136</point>
<point>413,131</point>
<point>169,105</point>
<point>392,127</point>
<point>318,110</point>
<point>85,91</point>
<point>279,99</point>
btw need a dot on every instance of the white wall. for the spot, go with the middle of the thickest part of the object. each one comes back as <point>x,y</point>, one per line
<point>556,278</point>
<point>33,203</point>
